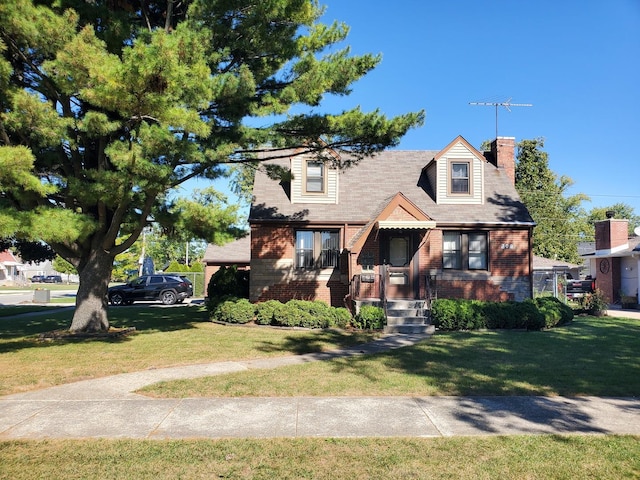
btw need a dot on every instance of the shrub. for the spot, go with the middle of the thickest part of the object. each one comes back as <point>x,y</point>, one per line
<point>528,316</point>
<point>234,310</point>
<point>291,316</point>
<point>265,310</point>
<point>229,281</point>
<point>595,303</point>
<point>443,313</point>
<point>554,311</point>
<point>369,317</point>
<point>341,317</point>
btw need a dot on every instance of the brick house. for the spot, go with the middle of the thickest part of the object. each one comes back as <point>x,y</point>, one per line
<point>407,225</point>
<point>615,261</point>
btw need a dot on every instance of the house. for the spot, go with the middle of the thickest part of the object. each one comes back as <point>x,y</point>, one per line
<point>236,253</point>
<point>615,262</point>
<point>408,225</point>
<point>10,269</point>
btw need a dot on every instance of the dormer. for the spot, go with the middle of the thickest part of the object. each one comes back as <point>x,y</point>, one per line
<point>314,180</point>
<point>456,174</point>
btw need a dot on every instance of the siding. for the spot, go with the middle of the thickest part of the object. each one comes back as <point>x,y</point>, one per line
<point>298,194</point>
<point>460,152</point>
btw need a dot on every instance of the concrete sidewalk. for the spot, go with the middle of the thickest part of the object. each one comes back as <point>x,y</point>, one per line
<point>108,408</point>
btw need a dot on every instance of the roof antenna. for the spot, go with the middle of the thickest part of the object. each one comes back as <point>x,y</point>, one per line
<point>506,105</point>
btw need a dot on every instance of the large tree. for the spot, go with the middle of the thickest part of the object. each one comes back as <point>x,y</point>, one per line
<point>557,215</point>
<point>110,104</point>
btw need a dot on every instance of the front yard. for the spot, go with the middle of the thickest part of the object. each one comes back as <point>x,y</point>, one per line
<point>591,356</point>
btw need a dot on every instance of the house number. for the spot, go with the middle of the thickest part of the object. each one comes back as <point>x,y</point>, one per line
<point>507,246</point>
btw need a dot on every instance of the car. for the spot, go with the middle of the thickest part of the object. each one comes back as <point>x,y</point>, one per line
<point>37,279</point>
<point>168,289</point>
<point>52,279</point>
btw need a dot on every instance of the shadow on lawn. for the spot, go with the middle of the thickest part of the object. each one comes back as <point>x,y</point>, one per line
<point>316,341</point>
<point>27,329</point>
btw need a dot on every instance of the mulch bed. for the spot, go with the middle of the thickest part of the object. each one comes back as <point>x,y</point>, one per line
<point>111,334</point>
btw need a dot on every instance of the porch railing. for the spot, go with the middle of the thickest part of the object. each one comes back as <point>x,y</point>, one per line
<point>374,286</point>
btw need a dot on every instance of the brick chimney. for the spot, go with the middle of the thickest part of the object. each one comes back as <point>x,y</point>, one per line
<point>503,156</point>
<point>612,235</point>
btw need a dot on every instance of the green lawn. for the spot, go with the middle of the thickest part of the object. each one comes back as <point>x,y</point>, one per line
<point>164,337</point>
<point>514,457</point>
<point>594,356</point>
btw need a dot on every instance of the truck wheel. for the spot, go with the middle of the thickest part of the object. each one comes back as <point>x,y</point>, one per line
<point>168,297</point>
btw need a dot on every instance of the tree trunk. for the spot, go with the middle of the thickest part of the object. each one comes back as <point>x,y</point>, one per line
<point>91,301</point>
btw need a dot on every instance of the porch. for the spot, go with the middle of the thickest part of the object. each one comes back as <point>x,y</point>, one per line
<point>405,312</point>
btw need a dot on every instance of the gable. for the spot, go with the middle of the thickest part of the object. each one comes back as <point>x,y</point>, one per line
<point>458,162</point>
<point>325,190</point>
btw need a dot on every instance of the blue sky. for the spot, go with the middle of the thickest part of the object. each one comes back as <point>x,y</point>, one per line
<point>577,62</point>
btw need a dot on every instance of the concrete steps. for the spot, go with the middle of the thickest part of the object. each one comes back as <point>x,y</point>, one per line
<point>408,316</point>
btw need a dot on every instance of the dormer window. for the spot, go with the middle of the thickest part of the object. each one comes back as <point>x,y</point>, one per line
<point>315,176</point>
<point>460,178</point>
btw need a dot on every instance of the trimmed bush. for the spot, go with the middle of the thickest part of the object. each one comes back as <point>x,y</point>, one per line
<point>291,316</point>
<point>448,314</point>
<point>554,311</point>
<point>369,317</point>
<point>265,310</point>
<point>232,310</point>
<point>341,317</point>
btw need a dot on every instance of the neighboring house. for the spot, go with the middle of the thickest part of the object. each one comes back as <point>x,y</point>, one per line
<point>615,262</point>
<point>399,225</point>
<point>236,253</point>
<point>10,269</point>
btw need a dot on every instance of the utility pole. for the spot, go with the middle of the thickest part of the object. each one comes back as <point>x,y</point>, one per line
<point>506,105</point>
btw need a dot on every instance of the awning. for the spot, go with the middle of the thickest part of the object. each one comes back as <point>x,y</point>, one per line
<point>406,224</point>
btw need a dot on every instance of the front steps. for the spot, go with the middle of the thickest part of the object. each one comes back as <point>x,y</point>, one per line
<point>408,316</point>
<point>405,316</point>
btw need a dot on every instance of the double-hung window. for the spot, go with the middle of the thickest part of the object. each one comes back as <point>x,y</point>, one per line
<point>460,178</point>
<point>464,251</point>
<point>315,173</point>
<point>317,249</point>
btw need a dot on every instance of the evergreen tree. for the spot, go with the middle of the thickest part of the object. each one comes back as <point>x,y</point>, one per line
<point>108,105</point>
<point>557,216</point>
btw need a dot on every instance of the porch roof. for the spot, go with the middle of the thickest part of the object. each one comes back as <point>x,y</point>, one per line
<point>406,224</point>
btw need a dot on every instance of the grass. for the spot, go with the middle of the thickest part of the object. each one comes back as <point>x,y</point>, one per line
<point>513,457</point>
<point>592,356</point>
<point>165,337</point>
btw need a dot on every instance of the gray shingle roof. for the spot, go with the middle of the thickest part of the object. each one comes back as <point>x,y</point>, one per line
<point>236,252</point>
<point>364,188</point>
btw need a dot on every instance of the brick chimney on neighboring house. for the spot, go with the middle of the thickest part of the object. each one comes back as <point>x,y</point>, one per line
<point>612,236</point>
<point>502,155</point>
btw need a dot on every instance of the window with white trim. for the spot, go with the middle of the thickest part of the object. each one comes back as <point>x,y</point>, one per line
<point>464,251</point>
<point>460,177</point>
<point>315,176</point>
<point>316,249</point>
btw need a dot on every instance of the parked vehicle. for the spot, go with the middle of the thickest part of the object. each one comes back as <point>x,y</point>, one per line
<point>52,279</point>
<point>578,288</point>
<point>168,289</point>
<point>37,279</point>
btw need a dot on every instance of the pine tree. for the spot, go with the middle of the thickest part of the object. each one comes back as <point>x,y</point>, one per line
<point>108,105</point>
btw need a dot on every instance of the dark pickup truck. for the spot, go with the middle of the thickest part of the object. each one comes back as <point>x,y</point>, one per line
<point>578,288</point>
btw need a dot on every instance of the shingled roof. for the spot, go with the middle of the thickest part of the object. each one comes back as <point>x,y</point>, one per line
<point>363,188</point>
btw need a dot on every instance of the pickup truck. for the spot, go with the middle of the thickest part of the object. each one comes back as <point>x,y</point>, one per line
<point>578,288</point>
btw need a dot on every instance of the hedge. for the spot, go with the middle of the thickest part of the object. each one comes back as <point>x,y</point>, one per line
<point>295,313</point>
<point>544,312</point>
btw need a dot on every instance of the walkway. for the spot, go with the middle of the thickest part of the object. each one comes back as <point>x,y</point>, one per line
<point>108,408</point>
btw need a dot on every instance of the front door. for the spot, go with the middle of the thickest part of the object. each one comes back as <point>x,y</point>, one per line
<point>399,266</point>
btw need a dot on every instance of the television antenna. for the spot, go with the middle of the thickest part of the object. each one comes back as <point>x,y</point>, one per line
<point>506,105</point>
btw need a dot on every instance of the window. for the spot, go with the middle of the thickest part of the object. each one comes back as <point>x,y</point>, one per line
<point>464,251</point>
<point>315,176</point>
<point>317,249</point>
<point>460,179</point>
